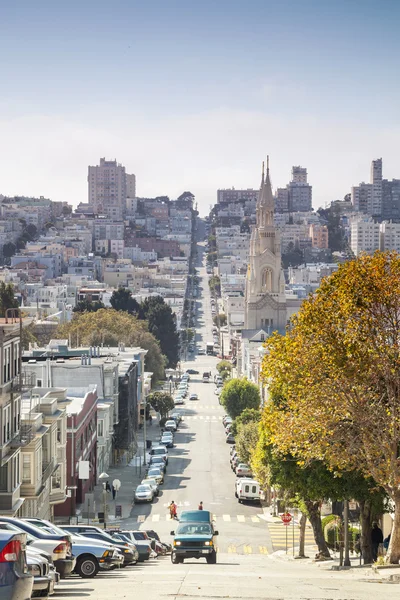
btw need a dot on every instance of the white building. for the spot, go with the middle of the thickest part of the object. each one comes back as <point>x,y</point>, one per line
<point>107,187</point>
<point>365,236</point>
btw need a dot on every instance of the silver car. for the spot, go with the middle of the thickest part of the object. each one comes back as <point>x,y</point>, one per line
<point>144,493</point>
<point>151,481</point>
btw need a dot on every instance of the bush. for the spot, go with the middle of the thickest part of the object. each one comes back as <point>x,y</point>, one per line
<point>328,519</point>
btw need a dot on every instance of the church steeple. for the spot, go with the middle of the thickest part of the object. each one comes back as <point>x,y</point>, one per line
<point>265,204</point>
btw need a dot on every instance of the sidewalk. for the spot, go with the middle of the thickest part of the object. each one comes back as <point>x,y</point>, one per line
<point>130,477</point>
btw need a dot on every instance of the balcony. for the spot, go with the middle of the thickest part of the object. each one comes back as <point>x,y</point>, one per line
<point>47,470</point>
<point>24,436</point>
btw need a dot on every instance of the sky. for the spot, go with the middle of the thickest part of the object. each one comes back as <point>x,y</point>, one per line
<point>193,95</point>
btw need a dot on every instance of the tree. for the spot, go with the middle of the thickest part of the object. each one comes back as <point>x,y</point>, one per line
<point>162,403</point>
<point>9,249</point>
<point>338,370</point>
<point>66,210</point>
<point>224,368</point>
<point>239,394</point>
<point>220,320</point>
<point>87,306</point>
<point>246,440</point>
<point>7,299</point>
<point>162,324</point>
<point>110,327</point>
<point>31,230</point>
<point>28,336</point>
<point>121,299</point>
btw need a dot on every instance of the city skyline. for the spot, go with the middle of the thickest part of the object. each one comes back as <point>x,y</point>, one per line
<point>194,99</point>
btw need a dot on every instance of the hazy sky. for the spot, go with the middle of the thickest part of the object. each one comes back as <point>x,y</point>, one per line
<point>193,95</point>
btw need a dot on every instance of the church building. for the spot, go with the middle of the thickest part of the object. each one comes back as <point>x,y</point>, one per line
<point>265,302</point>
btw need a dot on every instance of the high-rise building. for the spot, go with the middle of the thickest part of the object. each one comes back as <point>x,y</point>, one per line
<point>376,181</point>
<point>108,188</point>
<point>265,301</point>
<point>361,197</point>
<point>297,195</point>
<point>364,236</point>
<point>130,186</point>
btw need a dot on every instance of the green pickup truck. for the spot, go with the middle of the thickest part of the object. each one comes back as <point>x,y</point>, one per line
<point>194,537</point>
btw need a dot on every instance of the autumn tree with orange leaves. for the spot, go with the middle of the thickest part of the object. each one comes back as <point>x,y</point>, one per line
<point>338,371</point>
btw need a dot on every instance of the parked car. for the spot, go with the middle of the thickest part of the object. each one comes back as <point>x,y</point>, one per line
<point>201,352</point>
<point>39,567</point>
<point>143,493</point>
<point>91,532</point>
<point>177,417</point>
<point>230,438</point>
<point>234,462</point>
<point>152,483</point>
<point>243,470</point>
<point>63,565</point>
<point>134,537</point>
<point>192,371</point>
<point>178,401</point>
<point>170,425</point>
<point>157,474</point>
<point>167,441</point>
<point>15,580</point>
<point>157,461</point>
<point>247,489</point>
<point>160,451</point>
<point>193,397</point>
<point>226,419</point>
<point>151,534</point>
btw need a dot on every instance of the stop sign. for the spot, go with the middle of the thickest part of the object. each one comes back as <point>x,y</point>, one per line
<point>286,518</point>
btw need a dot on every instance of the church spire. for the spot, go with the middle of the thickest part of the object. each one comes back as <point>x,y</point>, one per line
<point>266,203</point>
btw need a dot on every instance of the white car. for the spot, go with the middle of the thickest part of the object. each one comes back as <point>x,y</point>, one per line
<point>193,397</point>
<point>170,425</point>
<point>144,493</point>
<point>153,484</point>
<point>178,401</point>
<point>247,489</point>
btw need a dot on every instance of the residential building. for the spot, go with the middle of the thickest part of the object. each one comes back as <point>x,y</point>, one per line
<point>108,189</point>
<point>364,235</point>
<point>319,236</point>
<point>390,236</point>
<point>225,196</point>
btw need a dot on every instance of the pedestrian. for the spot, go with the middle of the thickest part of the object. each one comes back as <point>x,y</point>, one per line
<point>201,505</point>
<point>173,510</point>
<point>114,492</point>
<point>386,542</point>
<point>108,486</point>
<point>376,539</point>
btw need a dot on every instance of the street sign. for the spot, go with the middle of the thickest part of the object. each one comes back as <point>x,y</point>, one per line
<point>286,518</point>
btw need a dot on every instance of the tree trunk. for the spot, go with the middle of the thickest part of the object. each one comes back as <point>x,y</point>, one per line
<point>302,538</point>
<point>393,554</point>
<point>314,514</point>
<point>366,523</point>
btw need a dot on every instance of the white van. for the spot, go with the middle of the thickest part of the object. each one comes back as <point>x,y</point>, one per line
<point>247,489</point>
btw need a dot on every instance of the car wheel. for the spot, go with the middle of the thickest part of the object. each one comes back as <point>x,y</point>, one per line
<point>236,495</point>
<point>175,559</point>
<point>239,500</point>
<point>87,567</point>
<point>212,558</point>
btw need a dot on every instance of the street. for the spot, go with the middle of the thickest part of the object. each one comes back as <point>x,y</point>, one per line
<point>199,470</point>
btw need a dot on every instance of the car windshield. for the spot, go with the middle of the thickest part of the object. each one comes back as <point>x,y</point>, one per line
<point>158,451</point>
<point>155,472</point>
<point>194,529</point>
<point>157,459</point>
<point>143,488</point>
<point>149,482</point>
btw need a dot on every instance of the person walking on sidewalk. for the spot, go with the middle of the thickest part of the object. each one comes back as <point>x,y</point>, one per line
<point>376,539</point>
<point>200,505</point>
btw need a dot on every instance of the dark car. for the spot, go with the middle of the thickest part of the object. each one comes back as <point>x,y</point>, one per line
<point>158,461</point>
<point>194,540</point>
<point>96,533</point>
<point>142,544</point>
<point>64,566</point>
<point>15,581</point>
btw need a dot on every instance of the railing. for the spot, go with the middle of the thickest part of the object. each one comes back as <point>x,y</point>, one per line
<point>25,435</point>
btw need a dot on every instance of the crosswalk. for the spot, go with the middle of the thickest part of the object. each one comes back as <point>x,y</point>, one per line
<point>279,531</point>
<point>202,418</point>
<point>156,518</point>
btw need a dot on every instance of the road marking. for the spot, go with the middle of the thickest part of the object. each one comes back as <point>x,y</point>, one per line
<point>231,549</point>
<point>263,550</point>
<point>241,518</point>
<point>155,518</point>
<point>141,518</point>
<point>247,549</point>
<point>226,517</point>
<point>255,519</point>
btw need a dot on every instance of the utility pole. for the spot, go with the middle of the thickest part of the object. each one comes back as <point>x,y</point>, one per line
<point>347,562</point>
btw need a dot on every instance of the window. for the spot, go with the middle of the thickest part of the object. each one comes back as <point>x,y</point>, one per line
<point>16,476</point>
<point>6,424</point>
<point>100,428</point>
<point>38,459</point>
<point>246,489</point>
<point>38,383</point>
<point>26,468</point>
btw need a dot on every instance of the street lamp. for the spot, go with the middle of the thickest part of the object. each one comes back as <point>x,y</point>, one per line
<point>103,476</point>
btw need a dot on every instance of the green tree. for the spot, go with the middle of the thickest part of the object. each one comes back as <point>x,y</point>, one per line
<point>239,394</point>
<point>246,440</point>
<point>110,327</point>
<point>220,320</point>
<point>162,403</point>
<point>9,249</point>
<point>338,369</point>
<point>121,299</point>
<point>87,306</point>
<point>162,324</point>
<point>7,299</point>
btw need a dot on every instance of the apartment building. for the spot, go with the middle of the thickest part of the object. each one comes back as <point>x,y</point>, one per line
<point>319,236</point>
<point>364,235</point>
<point>225,196</point>
<point>108,189</point>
